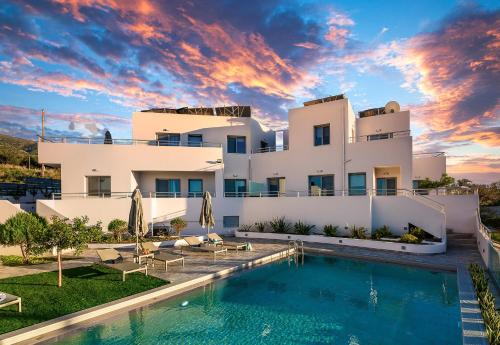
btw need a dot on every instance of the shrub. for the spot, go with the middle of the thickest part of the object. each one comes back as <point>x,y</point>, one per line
<point>118,227</point>
<point>417,232</point>
<point>409,238</point>
<point>303,228</point>
<point>330,230</point>
<point>280,225</point>
<point>358,232</point>
<point>178,224</point>
<point>486,300</point>
<point>245,228</point>
<point>261,226</point>
<point>23,230</point>
<point>384,231</point>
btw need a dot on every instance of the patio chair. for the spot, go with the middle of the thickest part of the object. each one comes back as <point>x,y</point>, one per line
<point>112,259</point>
<point>160,255</point>
<point>195,244</point>
<point>8,299</point>
<point>217,240</point>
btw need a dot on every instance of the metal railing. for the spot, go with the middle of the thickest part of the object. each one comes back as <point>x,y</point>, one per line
<point>379,136</point>
<point>120,195</point>
<point>443,191</point>
<point>271,149</point>
<point>428,154</point>
<point>104,141</point>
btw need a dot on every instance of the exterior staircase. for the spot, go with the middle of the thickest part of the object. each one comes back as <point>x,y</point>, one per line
<point>460,241</point>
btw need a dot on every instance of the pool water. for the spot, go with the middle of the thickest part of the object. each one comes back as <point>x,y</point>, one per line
<point>327,300</point>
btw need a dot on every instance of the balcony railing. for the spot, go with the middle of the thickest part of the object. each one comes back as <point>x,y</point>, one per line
<point>121,195</point>
<point>104,141</point>
<point>428,154</point>
<point>271,149</point>
<point>379,136</point>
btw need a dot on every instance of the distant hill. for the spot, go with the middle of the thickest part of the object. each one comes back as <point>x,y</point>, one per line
<point>14,153</point>
<point>16,150</point>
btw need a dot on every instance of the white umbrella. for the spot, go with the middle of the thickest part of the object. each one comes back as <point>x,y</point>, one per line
<point>206,215</point>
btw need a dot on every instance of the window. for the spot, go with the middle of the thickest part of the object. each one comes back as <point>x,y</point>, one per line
<point>99,185</point>
<point>168,188</point>
<point>231,221</point>
<point>235,187</point>
<point>322,135</point>
<point>357,184</point>
<point>386,186</point>
<point>236,144</point>
<point>168,139</point>
<point>195,188</point>
<point>321,185</point>
<point>380,136</point>
<point>418,189</point>
<point>195,140</point>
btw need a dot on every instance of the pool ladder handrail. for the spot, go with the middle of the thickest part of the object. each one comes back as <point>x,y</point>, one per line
<point>298,250</point>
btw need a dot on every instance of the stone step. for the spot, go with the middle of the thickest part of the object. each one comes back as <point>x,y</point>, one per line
<point>458,235</point>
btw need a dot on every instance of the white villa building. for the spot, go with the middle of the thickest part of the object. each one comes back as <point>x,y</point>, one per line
<point>330,166</point>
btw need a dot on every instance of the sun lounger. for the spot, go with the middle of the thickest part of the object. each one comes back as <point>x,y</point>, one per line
<point>217,240</point>
<point>160,255</point>
<point>195,244</point>
<point>112,259</point>
<point>8,299</point>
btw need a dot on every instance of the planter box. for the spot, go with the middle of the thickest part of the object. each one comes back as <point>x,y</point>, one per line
<point>429,248</point>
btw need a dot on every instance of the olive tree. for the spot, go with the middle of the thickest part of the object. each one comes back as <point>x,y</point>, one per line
<point>24,230</point>
<point>118,227</point>
<point>178,224</point>
<point>63,233</point>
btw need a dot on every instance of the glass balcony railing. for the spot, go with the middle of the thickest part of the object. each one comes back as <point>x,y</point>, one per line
<point>107,141</point>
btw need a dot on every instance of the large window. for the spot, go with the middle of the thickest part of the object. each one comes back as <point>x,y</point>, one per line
<point>168,139</point>
<point>195,188</point>
<point>321,185</point>
<point>99,185</point>
<point>357,184</point>
<point>322,135</point>
<point>235,187</point>
<point>386,186</point>
<point>168,188</point>
<point>236,144</point>
<point>230,221</point>
<point>195,140</point>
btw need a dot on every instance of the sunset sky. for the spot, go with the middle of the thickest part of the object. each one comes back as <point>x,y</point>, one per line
<point>91,63</point>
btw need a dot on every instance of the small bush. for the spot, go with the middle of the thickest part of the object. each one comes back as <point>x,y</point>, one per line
<point>261,226</point>
<point>245,228</point>
<point>358,232</point>
<point>417,232</point>
<point>409,238</point>
<point>303,228</point>
<point>384,231</point>
<point>280,225</point>
<point>178,224</point>
<point>118,227</point>
<point>330,230</point>
<point>486,300</point>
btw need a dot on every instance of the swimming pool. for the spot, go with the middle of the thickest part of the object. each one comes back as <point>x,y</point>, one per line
<point>328,300</point>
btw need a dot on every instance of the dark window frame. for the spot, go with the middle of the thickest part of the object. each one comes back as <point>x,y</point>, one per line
<point>356,191</point>
<point>226,218</point>
<point>164,140</point>
<point>328,192</point>
<point>323,139</point>
<point>99,192</point>
<point>168,193</point>
<point>236,148</point>
<point>234,193</point>
<point>195,143</point>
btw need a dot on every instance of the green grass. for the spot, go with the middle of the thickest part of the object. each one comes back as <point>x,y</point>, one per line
<point>83,287</point>
<point>495,236</point>
<point>16,260</point>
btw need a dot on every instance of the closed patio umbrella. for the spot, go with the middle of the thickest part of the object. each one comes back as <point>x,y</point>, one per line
<point>206,215</point>
<point>136,224</point>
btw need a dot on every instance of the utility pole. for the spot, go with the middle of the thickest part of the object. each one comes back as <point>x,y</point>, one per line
<point>43,137</point>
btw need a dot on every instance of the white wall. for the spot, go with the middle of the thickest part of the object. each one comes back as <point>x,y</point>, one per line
<point>397,211</point>
<point>428,167</point>
<point>460,211</point>
<point>7,210</point>
<point>380,124</point>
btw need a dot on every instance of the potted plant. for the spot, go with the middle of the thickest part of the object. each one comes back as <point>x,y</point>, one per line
<point>178,224</point>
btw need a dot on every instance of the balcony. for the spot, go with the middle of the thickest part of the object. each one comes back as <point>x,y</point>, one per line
<point>379,136</point>
<point>106,141</point>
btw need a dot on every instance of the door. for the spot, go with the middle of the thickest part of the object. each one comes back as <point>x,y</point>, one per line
<point>386,186</point>
<point>276,186</point>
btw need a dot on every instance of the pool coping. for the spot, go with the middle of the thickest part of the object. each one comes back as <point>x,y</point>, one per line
<point>38,332</point>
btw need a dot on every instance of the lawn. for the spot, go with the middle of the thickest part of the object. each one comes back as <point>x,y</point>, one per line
<point>83,287</point>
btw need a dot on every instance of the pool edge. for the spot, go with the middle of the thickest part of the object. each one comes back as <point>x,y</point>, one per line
<point>37,332</point>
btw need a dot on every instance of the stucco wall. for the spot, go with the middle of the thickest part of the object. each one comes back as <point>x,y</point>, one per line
<point>7,210</point>
<point>148,180</point>
<point>460,211</point>
<point>387,123</point>
<point>431,167</point>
